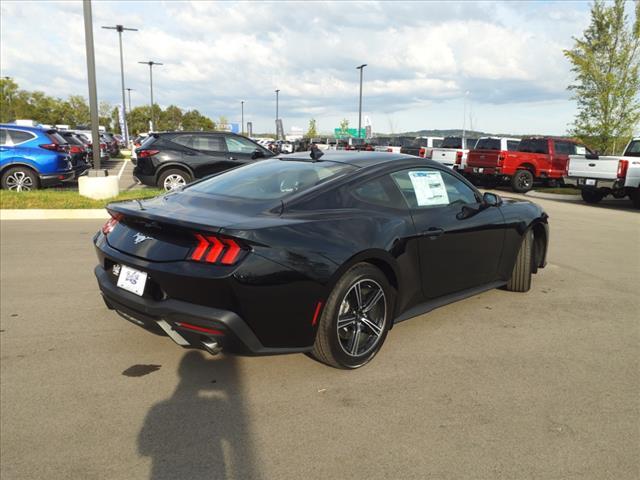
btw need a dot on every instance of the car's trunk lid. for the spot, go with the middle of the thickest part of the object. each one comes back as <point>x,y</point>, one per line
<point>484,158</point>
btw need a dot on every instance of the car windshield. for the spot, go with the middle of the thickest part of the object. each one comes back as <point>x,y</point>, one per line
<point>271,179</point>
<point>452,142</point>
<point>633,150</point>
<point>488,144</point>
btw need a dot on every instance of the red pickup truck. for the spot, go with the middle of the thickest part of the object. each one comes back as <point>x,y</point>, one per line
<point>536,158</point>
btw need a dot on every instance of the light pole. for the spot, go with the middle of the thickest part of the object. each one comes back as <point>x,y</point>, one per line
<point>91,75</point>
<point>277,99</point>
<point>242,117</point>
<point>129,92</point>
<point>151,63</point>
<point>464,117</point>
<point>120,29</point>
<point>361,68</point>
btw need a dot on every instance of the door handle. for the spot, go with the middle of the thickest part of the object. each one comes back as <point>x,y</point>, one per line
<point>232,158</point>
<point>433,233</point>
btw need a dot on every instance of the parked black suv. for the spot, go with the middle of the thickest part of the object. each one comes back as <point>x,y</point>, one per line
<point>172,159</point>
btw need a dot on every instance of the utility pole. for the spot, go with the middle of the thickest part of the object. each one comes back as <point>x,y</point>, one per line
<point>277,99</point>
<point>129,92</point>
<point>361,68</point>
<point>91,74</point>
<point>151,63</point>
<point>120,29</point>
<point>242,117</point>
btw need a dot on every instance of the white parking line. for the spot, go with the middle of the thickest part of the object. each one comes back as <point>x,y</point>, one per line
<point>122,168</point>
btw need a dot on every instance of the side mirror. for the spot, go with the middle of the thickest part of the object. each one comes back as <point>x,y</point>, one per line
<point>257,154</point>
<point>592,155</point>
<point>491,199</point>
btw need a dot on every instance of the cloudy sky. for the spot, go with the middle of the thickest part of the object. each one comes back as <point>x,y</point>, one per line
<point>422,57</point>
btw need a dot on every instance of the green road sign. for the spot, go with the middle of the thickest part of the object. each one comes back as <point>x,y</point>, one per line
<point>349,133</point>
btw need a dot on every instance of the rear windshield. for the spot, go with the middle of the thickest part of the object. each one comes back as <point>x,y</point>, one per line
<point>452,142</point>
<point>438,143</point>
<point>56,137</point>
<point>534,145</point>
<point>633,150</point>
<point>271,179</point>
<point>488,144</point>
<point>72,139</point>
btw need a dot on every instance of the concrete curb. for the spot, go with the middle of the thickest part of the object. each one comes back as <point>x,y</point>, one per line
<point>554,196</point>
<point>53,214</point>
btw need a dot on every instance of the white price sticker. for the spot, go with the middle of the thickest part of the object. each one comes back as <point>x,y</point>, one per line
<point>429,188</point>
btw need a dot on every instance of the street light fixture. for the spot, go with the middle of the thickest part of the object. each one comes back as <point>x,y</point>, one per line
<point>120,29</point>
<point>129,90</point>
<point>151,63</point>
<point>242,117</point>
<point>361,68</point>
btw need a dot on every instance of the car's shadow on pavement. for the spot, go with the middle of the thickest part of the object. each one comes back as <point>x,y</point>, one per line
<point>201,431</point>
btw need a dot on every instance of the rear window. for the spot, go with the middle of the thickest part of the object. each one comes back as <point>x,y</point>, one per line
<point>56,138</point>
<point>512,145</point>
<point>488,144</point>
<point>633,150</point>
<point>271,179</point>
<point>534,145</point>
<point>16,137</point>
<point>437,143</point>
<point>471,143</point>
<point>452,142</point>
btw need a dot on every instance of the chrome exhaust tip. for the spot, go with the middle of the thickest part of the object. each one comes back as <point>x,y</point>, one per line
<point>212,346</point>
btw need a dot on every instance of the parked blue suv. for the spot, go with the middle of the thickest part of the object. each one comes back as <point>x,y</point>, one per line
<point>32,157</point>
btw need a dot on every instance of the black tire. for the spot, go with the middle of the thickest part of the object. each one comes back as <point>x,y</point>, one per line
<point>635,198</point>
<point>173,176</point>
<point>522,181</point>
<point>19,179</point>
<point>520,280</point>
<point>590,195</point>
<point>331,342</point>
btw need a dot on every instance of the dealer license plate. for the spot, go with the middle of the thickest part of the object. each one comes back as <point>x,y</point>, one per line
<point>590,182</point>
<point>132,280</point>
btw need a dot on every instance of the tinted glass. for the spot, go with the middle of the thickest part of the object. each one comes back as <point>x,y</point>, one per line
<point>452,142</point>
<point>564,148</point>
<point>512,145</point>
<point>380,191</point>
<point>211,143</point>
<point>3,137</point>
<point>55,138</point>
<point>437,143</point>
<point>271,179</point>
<point>71,139</point>
<point>240,145</point>
<point>534,145</point>
<point>488,144</point>
<point>431,188</point>
<point>633,150</point>
<point>471,143</point>
<point>18,136</point>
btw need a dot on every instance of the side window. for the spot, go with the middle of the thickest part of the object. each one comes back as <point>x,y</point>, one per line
<point>429,188</point>
<point>512,145</point>
<point>184,140</point>
<point>4,139</point>
<point>240,145</point>
<point>379,191</point>
<point>211,143</point>
<point>564,148</point>
<point>16,137</point>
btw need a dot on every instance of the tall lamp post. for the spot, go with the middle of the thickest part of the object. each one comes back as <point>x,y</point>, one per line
<point>277,99</point>
<point>91,75</point>
<point>129,90</point>
<point>120,29</point>
<point>151,63</point>
<point>361,68</point>
<point>242,117</point>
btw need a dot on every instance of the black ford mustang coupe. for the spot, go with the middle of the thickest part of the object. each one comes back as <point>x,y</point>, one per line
<point>311,253</point>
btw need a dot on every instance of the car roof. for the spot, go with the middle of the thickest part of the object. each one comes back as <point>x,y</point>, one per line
<point>358,158</point>
<point>26,128</point>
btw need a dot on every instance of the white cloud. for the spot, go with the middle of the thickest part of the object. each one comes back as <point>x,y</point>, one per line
<point>217,53</point>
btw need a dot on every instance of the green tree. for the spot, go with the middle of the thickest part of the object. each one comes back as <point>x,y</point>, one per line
<point>607,81</point>
<point>312,132</point>
<point>194,120</point>
<point>170,119</point>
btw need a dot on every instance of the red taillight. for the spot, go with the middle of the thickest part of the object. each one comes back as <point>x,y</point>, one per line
<point>76,149</point>
<point>566,168</point>
<point>103,146</point>
<point>108,227</point>
<point>147,153</point>
<point>423,152</point>
<point>212,249</point>
<point>458,158</point>
<point>54,147</point>
<point>389,149</point>
<point>623,166</point>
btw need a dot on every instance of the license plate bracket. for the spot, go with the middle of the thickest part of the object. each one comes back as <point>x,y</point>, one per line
<point>132,280</point>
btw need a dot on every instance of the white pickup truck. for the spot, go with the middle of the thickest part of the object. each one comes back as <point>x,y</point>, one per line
<point>453,152</point>
<point>598,177</point>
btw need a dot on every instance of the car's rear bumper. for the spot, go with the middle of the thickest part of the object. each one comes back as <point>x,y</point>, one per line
<point>149,180</point>
<point>483,171</point>
<point>234,335</point>
<point>583,182</point>
<point>48,180</point>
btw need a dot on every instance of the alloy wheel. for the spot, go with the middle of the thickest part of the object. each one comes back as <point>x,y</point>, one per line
<point>362,318</point>
<point>19,182</point>
<point>523,181</point>
<point>174,181</point>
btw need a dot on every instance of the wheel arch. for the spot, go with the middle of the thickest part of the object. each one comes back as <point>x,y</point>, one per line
<point>180,166</point>
<point>20,163</point>
<point>528,166</point>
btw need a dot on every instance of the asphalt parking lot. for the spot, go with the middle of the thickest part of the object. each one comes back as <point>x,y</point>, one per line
<point>542,385</point>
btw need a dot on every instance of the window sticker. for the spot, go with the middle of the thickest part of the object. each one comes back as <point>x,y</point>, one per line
<point>429,188</point>
<point>580,150</point>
